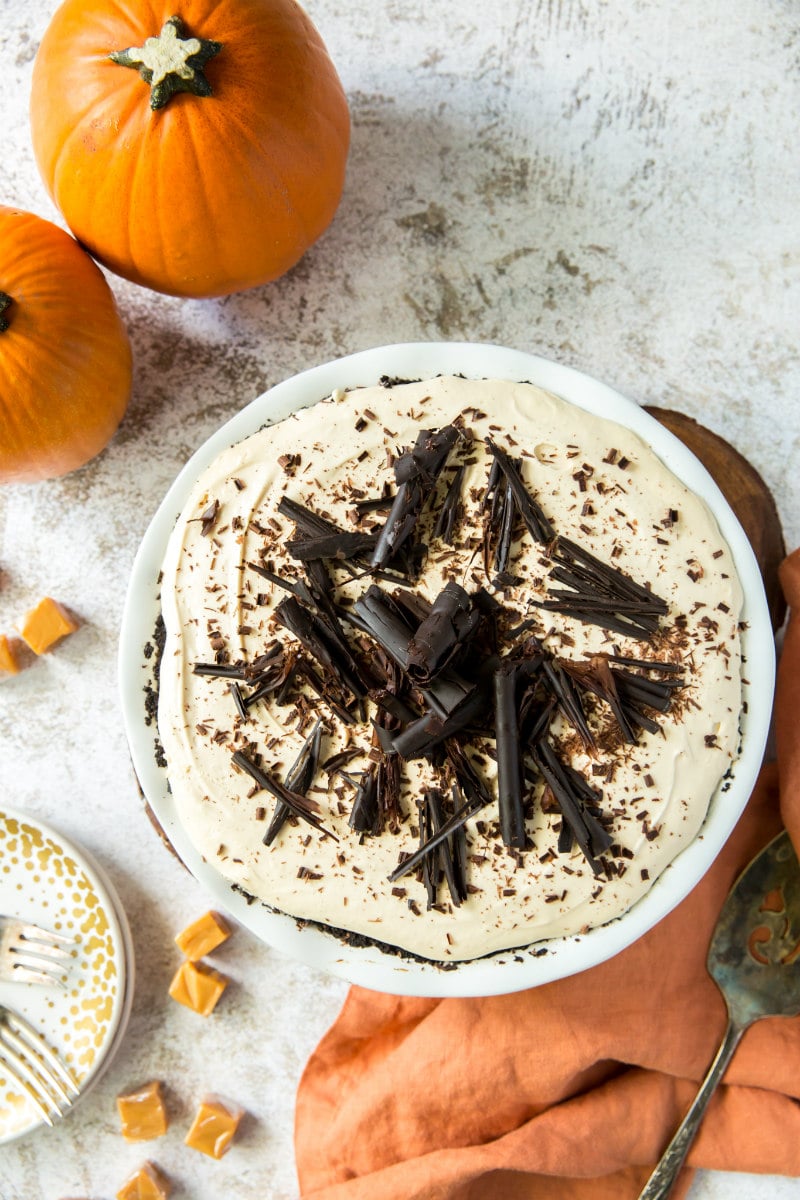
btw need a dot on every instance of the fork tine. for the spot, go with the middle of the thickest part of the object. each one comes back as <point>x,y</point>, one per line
<point>32,1058</point>
<point>18,1023</point>
<point>36,933</point>
<point>36,972</point>
<point>23,1080</point>
<point>42,949</point>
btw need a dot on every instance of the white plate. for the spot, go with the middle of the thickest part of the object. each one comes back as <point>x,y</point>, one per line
<point>513,970</point>
<point>46,879</point>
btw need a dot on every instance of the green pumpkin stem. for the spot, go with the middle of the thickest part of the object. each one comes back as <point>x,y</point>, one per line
<point>170,62</point>
<point>5,301</point>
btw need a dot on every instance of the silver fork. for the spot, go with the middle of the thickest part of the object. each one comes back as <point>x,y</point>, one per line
<point>35,1067</point>
<point>30,954</point>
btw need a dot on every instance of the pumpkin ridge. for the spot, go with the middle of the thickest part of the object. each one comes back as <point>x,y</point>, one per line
<point>74,135</point>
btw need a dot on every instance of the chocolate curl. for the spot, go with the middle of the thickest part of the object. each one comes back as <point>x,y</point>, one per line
<point>453,823</point>
<point>420,736</point>
<point>275,679</point>
<point>430,863</point>
<point>450,623</point>
<point>312,634</point>
<point>503,548</point>
<point>299,779</point>
<point>365,813</point>
<point>331,545</point>
<point>478,797</point>
<point>509,765</point>
<point>220,670</point>
<point>569,702</point>
<point>595,676</point>
<point>301,806</point>
<point>388,792</point>
<point>598,594</point>
<point>307,521</point>
<point>433,799</point>
<point>532,514</point>
<point>416,471</point>
<point>589,836</point>
<point>380,617</point>
<point>451,510</point>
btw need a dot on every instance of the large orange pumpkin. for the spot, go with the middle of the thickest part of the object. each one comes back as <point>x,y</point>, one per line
<point>65,358</point>
<point>197,147</point>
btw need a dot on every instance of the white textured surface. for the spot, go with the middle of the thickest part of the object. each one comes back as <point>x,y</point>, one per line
<point>612,185</point>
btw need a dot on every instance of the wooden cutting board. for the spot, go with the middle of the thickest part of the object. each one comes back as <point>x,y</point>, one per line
<point>747,494</point>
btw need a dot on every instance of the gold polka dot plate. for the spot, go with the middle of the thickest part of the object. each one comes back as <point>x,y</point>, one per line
<point>47,880</point>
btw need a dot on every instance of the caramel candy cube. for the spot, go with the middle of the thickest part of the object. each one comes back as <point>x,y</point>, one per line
<point>45,625</point>
<point>8,659</point>
<point>147,1184</point>
<point>214,1126</point>
<point>203,936</point>
<point>198,987</point>
<point>142,1113</point>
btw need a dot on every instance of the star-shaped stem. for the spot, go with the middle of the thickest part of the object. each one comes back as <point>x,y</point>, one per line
<point>170,63</point>
<point>5,301</point>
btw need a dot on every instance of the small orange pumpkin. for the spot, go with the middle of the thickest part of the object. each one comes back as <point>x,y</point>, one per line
<point>197,147</point>
<point>65,358</point>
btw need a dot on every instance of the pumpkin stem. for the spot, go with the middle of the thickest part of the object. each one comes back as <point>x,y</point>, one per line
<point>5,301</point>
<point>170,63</point>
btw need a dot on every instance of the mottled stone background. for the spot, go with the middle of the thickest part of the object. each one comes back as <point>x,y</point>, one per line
<point>611,183</point>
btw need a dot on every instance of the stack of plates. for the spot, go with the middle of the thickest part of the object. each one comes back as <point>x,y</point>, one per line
<point>47,880</point>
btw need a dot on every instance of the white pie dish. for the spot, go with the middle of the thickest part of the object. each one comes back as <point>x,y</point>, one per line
<point>512,970</point>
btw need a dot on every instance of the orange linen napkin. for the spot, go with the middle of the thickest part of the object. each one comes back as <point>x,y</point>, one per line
<point>569,1091</point>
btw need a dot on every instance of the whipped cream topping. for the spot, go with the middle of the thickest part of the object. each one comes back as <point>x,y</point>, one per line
<point>599,485</point>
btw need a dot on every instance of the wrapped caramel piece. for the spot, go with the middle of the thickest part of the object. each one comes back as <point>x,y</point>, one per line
<point>149,1183</point>
<point>214,1126</point>
<point>142,1113</point>
<point>203,935</point>
<point>198,987</point>
<point>45,625</point>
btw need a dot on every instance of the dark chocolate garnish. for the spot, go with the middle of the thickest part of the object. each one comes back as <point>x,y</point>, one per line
<point>530,510</point>
<point>301,806</point>
<point>416,471</point>
<point>451,622</point>
<point>299,779</point>
<point>588,834</point>
<point>331,545</point>
<point>451,509</point>
<point>509,766</point>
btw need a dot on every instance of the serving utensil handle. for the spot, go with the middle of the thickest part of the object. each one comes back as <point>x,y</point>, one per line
<point>662,1181</point>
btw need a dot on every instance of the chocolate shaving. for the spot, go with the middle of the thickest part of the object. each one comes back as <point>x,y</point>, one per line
<point>451,509</point>
<point>300,806</point>
<point>299,779</point>
<point>312,634</point>
<point>220,670</point>
<point>209,518</point>
<point>451,869</point>
<point>532,514</point>
<point>600,594</point>
<point>365,814</point>
<point>509,769</point>
<point>331,545</point>
<point>415,471</point>
<point>569,702</point>
<point>561,782</point>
